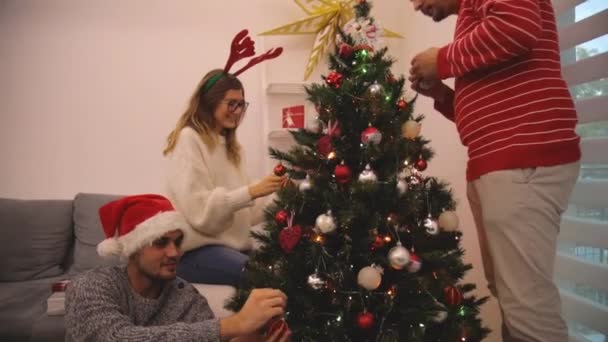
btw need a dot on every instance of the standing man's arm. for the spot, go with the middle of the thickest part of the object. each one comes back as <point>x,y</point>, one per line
<point>444,103</point>
<point>508,28</point>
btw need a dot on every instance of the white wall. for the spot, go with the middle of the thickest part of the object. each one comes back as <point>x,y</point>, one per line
<point>90,89</point>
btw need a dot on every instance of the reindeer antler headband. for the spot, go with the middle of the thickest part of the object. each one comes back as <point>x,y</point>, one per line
<point>242,47</point>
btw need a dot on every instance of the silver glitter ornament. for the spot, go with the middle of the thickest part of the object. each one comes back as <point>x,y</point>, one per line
<point>305,185</point>
<point>398,256</point>
<point>325,223</point>
<point>431,226</point>
<point>315,281</point>
<point>368,175</point>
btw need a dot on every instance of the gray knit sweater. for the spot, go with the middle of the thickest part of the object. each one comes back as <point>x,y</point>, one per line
<point>101,306</point>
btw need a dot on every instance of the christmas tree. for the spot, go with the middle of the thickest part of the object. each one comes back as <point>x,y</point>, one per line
<point>364,244</point>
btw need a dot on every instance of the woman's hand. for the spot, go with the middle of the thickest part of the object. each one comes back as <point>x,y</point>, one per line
<point>266,186</point>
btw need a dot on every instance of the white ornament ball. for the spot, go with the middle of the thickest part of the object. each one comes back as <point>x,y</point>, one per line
<point>305,185</point>
<point>398,256</point>
<point>415,178</point>
<point>410,129</point>
<point>402,186</point>
<point>315,281</point>
<point>315,125</point>
<point>368,175</point>
<point>325,223</point>
<point>448,220</point>
<point>431,226</point>
<point>369,278</point>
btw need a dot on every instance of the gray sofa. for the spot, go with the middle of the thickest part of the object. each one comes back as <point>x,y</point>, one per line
<point>43,242</point>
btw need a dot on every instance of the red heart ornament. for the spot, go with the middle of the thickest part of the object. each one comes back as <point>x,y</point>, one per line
<point>289,238</point>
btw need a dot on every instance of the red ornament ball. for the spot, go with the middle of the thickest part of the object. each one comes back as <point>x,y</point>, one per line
<point>275,325</point>
<point>336,131</point>
<point>371,135</point>
<point>281,217</point>
<point>324,145</point>
<point>378,242</point>
<point>343,173</point>
<point>346,51</point>
<point>280,170</point>
<point>367,47</point>
<point>334,79</point>
<point>421,165</point>
<point>453,296</point>
<point>401,104</point>
<point>365,320</point>
<point>415,263</point>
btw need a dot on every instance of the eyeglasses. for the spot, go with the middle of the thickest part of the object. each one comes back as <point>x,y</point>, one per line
<point>233,105</point>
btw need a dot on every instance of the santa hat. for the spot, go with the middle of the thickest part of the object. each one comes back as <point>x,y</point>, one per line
<point>133,222</point>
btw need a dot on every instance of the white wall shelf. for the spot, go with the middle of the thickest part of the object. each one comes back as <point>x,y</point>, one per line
<point>296,88</point>
<point>280,139</point>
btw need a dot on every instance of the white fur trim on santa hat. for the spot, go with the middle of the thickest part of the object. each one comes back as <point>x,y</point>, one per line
<point>109,247</point>
<point>144,234</point>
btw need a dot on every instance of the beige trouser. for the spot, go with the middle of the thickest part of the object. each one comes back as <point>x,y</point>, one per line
<point>517,214</point>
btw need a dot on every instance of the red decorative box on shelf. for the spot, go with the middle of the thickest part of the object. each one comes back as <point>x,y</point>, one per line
<point>293,117</point>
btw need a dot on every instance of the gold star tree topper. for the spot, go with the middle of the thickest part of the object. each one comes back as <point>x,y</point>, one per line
<point>324,18</point>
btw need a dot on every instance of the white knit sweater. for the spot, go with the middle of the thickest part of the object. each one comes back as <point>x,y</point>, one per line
<point>212,193</point>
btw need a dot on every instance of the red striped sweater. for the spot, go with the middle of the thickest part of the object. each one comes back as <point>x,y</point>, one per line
<point>511,105</point>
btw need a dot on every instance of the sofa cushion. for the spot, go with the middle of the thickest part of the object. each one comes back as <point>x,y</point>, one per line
<point>48,329</point>
<point>36,236</point>
<point>23,304</point>
<point>88,231</point>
